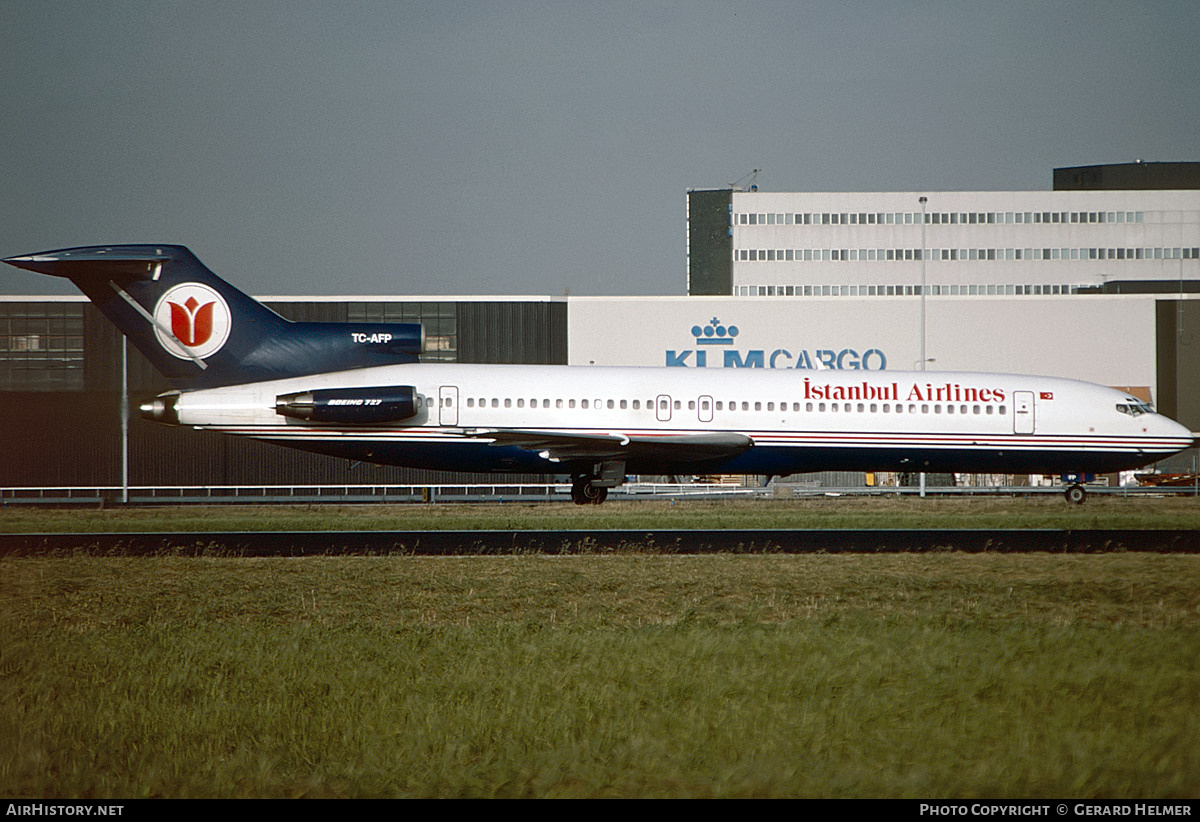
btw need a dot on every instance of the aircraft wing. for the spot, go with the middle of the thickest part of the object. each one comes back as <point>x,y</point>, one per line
<point>568,446</point>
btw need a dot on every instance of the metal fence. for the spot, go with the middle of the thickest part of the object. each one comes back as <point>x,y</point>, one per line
<point>511,492</point>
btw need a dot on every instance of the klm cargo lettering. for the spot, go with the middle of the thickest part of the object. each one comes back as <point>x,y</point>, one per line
<point>714,337</point>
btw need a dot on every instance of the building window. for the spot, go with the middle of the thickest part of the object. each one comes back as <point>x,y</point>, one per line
<point>41,346</point>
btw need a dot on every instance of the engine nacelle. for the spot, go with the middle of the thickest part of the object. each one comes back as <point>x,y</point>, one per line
<point>350,405</point>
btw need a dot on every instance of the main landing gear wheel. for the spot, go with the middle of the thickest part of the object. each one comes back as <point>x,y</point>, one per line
<point>1075,494</point>
<point>583,492</point>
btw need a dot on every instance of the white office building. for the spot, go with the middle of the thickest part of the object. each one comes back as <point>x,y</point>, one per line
<point>751,243</point>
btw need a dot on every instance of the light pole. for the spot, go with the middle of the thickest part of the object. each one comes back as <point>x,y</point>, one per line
<point>924,359</point>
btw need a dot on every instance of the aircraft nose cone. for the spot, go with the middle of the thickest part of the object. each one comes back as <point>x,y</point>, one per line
<point>1174,430</point>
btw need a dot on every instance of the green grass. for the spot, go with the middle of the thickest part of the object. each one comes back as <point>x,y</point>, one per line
<point>821,512</point>
<point>945,675</point>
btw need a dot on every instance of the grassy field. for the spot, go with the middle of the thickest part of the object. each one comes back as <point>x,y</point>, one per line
<point>947,675</point>
<point>819,512</point>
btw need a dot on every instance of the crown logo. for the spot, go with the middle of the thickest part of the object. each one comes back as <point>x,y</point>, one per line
<point>714,333</point>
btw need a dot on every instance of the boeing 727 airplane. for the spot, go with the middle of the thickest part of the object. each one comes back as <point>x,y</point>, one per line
<point>358,391</point>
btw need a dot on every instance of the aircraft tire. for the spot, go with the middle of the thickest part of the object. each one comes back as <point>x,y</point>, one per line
<point>584,493</point>
<point>1075,494</point>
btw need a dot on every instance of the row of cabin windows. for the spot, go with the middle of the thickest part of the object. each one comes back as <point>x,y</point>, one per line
<point>521,402</point>
<point>913,408</point>
<point>745,405</point>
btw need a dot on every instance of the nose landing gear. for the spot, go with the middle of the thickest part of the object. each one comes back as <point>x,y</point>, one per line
<point>1075,494</point>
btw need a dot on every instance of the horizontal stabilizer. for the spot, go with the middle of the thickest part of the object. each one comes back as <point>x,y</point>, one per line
<point>134,262</point>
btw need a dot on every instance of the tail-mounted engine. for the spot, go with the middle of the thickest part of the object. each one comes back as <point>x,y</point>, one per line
<point>350,405</point>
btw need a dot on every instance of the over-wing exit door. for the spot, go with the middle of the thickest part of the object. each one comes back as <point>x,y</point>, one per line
<point>448,405</point>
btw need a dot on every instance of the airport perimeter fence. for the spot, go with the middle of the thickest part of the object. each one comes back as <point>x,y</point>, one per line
<point>104,496</point>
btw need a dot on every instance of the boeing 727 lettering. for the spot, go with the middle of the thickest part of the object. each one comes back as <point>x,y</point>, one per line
<point>359,391</point>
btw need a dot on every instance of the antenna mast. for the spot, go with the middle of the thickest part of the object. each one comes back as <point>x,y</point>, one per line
<point>749,180</point>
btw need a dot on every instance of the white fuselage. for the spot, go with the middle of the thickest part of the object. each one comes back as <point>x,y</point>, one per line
<point>797,421</point>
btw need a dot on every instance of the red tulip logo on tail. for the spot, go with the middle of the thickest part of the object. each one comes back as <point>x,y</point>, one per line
<point>192,320</point>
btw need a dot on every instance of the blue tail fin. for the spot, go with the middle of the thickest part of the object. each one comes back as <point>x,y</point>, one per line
<point>201,332</point>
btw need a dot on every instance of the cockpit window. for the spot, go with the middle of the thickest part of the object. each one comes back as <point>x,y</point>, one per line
<point>1134,408</point>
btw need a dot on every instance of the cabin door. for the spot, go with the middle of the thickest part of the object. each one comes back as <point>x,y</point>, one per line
<point>705,409</point>
<point>1023,412</point>
<point>448,405</point>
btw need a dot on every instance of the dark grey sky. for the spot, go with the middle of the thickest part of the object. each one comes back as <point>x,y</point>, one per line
<point>534,148</point>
